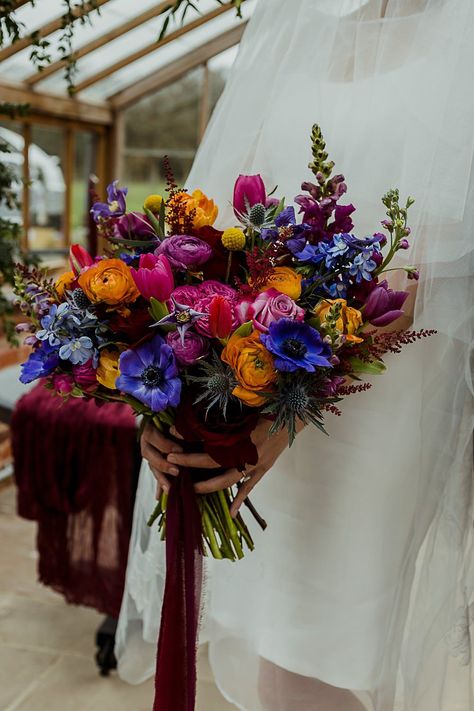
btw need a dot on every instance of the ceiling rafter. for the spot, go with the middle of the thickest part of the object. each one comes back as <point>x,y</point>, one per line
<point>100,41</point>
<point>20,3</point>
<point>152,47</point>
<point>174,70</point>
<point>48,29</point>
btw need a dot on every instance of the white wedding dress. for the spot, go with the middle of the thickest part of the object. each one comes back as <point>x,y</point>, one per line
<point>364,579</point>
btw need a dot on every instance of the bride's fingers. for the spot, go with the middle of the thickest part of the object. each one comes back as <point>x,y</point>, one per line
<point>244,491</point>
<point>162,481</point>
<point>175,433</point>
<point>197,461</point>
<point>157,461</point>
<point>158,491</point>
<point>224,481</point>
<point>157,439</point>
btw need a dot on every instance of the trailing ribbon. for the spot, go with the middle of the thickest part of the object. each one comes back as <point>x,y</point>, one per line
<point>175,680</point>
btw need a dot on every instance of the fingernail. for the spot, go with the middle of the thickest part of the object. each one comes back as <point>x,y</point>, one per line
<point>166,488</point>
<point>174,471</point>
<point>172,458</point>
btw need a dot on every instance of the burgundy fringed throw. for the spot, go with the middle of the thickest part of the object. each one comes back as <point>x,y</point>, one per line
<point>76,469</point>
<point>231,446</point>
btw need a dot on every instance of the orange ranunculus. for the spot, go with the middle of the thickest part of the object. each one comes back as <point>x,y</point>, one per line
<point>108,369</point>
<point>110,282</point>
<point>64,282</point>
<point>205,210</point>
<point>252,365</point>
<point>285,280</point>
<point>348,321</point>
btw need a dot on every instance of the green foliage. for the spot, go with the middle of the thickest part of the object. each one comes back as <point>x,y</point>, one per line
<point>180,8</point>
<point>10,233</point>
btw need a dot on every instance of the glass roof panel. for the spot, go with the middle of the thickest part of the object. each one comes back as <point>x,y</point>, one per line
<point>112,14</point>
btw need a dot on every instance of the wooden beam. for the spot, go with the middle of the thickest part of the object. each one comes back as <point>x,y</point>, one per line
<point>99,42</point>
<point>48,29</point>
<point>174,70</point>
<point>20,3</point>
<point>53,105</point>
<point>152,47</point>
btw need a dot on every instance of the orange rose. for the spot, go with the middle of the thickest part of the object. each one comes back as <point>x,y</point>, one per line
<point>64,282</point>
<point>348,320</point>
<point>285,280</point>
<point>110,282</point>
<point>252,365</point>
<point>205,210</point>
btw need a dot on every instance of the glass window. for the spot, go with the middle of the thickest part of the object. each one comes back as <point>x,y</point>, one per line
<point>166,123</point>
<point>83,169</point>
<point>47,188</point>
<point>11,139</point>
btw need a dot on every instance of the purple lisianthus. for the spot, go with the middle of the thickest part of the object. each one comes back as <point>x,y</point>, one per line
<point>41,362</point>
<point>115,205</point>
<point>296,345</point>
<point>185,251</point>
<point>134,225</point>
<point>149,373</point>
<point>384,305</point>
<point>189,349</point>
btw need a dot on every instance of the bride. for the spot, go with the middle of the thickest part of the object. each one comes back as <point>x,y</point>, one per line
<point>360,593</point>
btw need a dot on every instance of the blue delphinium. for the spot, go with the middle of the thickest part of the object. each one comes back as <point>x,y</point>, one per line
<point>296,345</point>
<point>40,363</point>
<point>78,350</point>
<point>149,373</point>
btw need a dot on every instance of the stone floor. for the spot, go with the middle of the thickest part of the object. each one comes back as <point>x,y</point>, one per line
<point>47,647</point>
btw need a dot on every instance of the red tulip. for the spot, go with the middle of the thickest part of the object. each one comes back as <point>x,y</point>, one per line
<point>249,190</point>
<point>154,277</point>
<point>220,317</point>
<point>79,258</point>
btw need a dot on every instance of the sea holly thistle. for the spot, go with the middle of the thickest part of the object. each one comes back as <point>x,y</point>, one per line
<point>217,383</point>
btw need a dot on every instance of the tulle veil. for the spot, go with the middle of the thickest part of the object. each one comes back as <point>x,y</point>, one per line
<point>390,83</point>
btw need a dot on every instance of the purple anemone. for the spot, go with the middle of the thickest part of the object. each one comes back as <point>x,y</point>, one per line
<point>296,345</point>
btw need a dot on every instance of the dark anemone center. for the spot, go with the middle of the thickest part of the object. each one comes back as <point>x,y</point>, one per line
<point>294,348</point>
<point>152,376</point>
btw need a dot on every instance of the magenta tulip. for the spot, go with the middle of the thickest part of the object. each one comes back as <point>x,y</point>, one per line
<point>384,305</point>
<point>154,277</point>
<point>249,190</point>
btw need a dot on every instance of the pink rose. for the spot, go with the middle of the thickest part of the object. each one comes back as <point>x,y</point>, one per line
<point>211,287</point>
<point>85,377</point>
<point>63,383</point>
<point>272,305</point>
<point>186,295</point>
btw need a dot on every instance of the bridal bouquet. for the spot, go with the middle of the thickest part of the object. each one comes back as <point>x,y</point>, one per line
<point>208,329</point>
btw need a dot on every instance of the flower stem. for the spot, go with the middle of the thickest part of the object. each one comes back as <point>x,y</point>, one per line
<point>211,538</point>
<point>230,524</point>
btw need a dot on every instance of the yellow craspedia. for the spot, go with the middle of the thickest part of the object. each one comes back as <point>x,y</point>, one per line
<point>233,239</point>
<point>153,203</point>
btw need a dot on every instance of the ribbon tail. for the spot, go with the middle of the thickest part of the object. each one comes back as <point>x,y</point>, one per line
<point>175,679</point>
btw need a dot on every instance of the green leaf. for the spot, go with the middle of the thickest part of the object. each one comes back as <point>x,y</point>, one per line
<point>375,367</point>
<point>154,222</point>
<point>158,309</point>
<point>244,330</point>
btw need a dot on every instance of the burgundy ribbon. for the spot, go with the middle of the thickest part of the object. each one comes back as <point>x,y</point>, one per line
<point>175,680</point>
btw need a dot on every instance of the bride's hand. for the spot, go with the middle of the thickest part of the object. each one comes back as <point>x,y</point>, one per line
<point>268,447</point>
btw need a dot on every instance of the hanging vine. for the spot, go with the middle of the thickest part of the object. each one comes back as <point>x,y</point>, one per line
<point>180,8</point>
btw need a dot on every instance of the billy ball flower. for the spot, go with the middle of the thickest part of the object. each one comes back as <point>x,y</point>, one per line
<point>153,203</point>
<point>296,345</point>
<point>233,239</point>
<point>149,373</point>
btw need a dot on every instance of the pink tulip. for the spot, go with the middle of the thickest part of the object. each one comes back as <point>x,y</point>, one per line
<point>154,277</point>
<point>249,190</point>
<point>79,258</point>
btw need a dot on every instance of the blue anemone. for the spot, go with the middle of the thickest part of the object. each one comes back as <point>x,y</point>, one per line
<point>296,345</point>
<point>41,362</point>
<point>149,373</point>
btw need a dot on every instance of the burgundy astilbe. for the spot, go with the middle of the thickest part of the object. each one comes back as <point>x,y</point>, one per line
<point>352,389</point>
<point>330,407</point>
<point>393,341</point>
